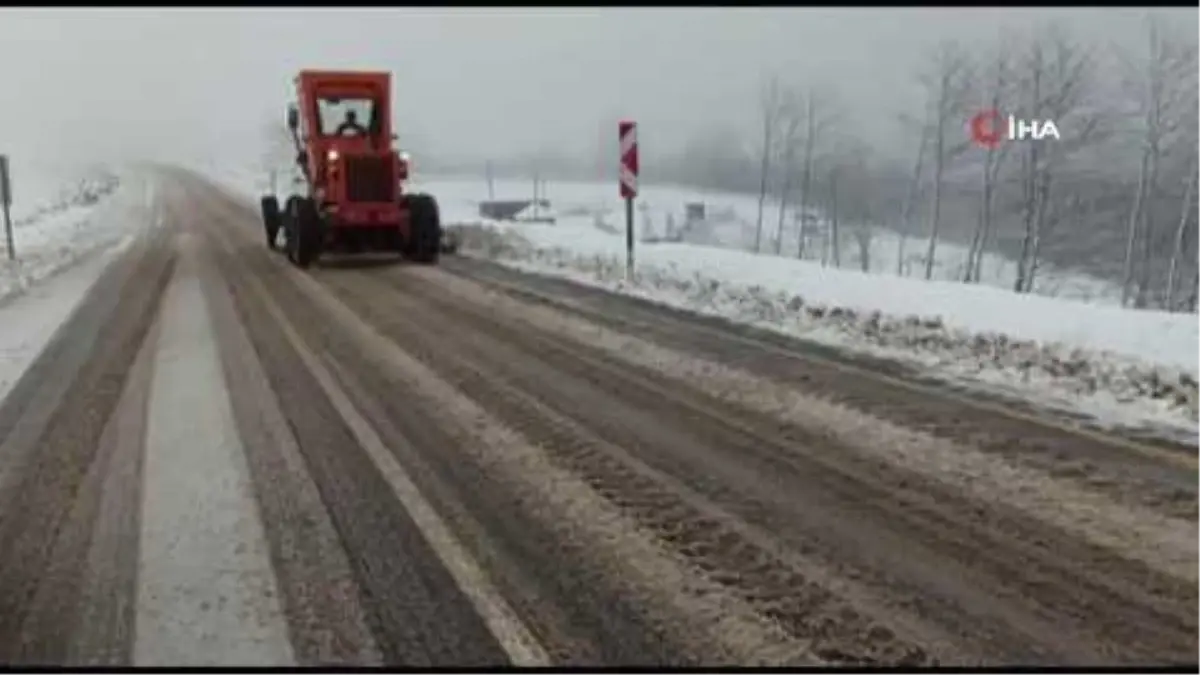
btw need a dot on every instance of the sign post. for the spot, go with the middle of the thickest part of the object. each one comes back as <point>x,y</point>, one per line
<point>627,132</point>
<point>5,203</point>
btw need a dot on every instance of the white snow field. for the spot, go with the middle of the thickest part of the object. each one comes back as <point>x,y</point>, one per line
<point>1067,347</point>
<point>67,225</point>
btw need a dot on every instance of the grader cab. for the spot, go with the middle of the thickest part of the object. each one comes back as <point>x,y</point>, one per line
<point>351,197</point>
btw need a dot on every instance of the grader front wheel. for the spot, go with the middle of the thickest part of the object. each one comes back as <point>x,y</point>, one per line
<point>304,232</point>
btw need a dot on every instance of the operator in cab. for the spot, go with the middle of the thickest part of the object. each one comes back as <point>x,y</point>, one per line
<point>350,126</point>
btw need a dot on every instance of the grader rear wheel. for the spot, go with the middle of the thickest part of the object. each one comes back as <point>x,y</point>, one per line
<point>272,219</point>
<point>425,230</point>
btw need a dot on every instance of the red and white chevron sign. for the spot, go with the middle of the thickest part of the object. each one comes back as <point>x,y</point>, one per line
<point>629,159</point>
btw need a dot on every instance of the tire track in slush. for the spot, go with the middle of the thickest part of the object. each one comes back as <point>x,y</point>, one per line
<point>1162,611</point>
<point>415,609</point>
<point>522,648</point>
<point>1109,463</point>
<point>107,612</point>
<point>741,559</point>
<point>714,626</point>
<point>547,578</point>
<point>1161,542</point>
<point>54,442</point>
<point>82,610</point>
<point>710,625</point>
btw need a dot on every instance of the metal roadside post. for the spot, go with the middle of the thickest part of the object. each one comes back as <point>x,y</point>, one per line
<point>5,204</point>
<point>627,132</point>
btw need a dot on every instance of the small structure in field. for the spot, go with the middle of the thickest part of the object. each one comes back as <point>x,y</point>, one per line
<point>517,210</point>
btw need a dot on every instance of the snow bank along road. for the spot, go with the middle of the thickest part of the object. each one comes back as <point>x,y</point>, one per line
<point>220,460</point>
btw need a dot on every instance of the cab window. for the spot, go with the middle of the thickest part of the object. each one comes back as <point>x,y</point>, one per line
<point>345,116</point>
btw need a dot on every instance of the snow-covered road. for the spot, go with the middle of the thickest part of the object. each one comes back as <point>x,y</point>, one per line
<point>199,469</point>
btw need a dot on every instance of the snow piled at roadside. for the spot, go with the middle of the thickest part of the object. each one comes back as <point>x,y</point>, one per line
<point>70,224</point>
<point>1121,368</point>
<point>57,222</point>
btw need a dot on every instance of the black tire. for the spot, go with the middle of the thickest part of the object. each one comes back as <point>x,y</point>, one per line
<point>424,230</point>
<point>272,219</point>
<point>289,228</point>
<point>304,231</point>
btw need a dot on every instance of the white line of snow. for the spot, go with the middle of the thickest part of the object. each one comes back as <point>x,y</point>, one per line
<point>206,589</point>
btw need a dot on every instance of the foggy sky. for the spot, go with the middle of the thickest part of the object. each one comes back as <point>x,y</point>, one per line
<point>167,83</point>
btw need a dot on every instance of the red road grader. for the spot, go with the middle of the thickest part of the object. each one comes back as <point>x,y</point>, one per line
<point>352,198</point>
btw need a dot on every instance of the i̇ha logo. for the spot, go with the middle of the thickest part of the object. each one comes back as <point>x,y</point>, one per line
<point>989,128</point>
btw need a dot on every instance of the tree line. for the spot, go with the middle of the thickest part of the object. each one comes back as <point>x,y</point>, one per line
<point>1115,195</point>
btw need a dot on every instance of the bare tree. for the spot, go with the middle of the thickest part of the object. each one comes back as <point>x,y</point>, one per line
<point>1065,207</point>
<point>946,85</point>
<point>818,119</point>
<point>1165,86</point>
<point>1131,238</point>
<point>849,195</point>
<point>1180,231</point>
<point>913,193</point>
<point>770,106</point>
<point>1195,290</point>
<point>791,117</point>
<point>1058,77</point>
<point>1155,103</point>
<point>862,235</point>
<point>1195,286</point>
<point>855,181</point>
<point>1032,86</point>
<point>996,95</point>
<point>1187,125</point>
<point>834,230</point>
